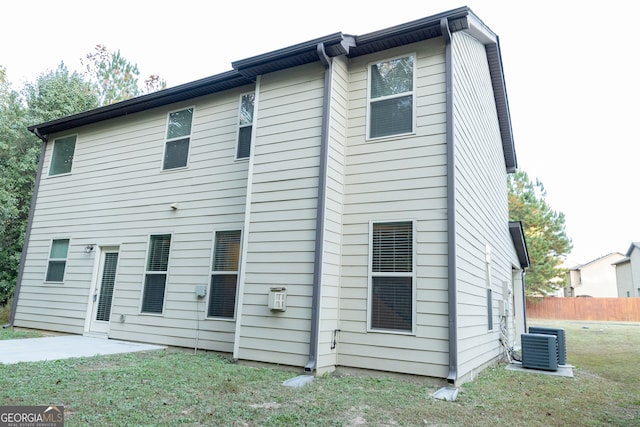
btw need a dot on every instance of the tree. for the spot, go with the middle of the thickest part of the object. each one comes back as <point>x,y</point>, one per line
<point>544,231</point>
<point>57,94</point>
<point>115,77</point>
<point>14,157</point>
<point>54,94</point>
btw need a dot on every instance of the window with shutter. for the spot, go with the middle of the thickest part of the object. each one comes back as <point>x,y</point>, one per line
<point>391,97</point>
<point>392,276</point>
<point>176,148</point>
<point>224,274</point>
<point>155,279</point>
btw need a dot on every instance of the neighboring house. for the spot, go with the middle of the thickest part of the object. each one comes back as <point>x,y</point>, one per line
<point>596,278</point>
<point>337,203</point>
<point>628,272</point>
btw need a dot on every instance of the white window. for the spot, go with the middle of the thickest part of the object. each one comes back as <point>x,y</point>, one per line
<point>57,260</point>
<point>224,274</point>
<point>176,148</point>
<point>155,280</point>
<point>245,125</point>
<point>62,156</point>
<point>391,97</point>
<point>392,276</point>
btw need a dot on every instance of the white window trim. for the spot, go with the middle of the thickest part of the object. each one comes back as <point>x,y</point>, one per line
<point>212,272</point>
<point>412,274</point>
<point>167,140</point>
<point>368,136</point>
<point>144,275</point>
<point>235,153</point>
<point>53,147</point>
<point>66,260</point>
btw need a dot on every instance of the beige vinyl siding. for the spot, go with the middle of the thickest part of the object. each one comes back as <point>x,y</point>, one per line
<point>397,179</point>
<point>481,205</point>
<point>61,304</point>
<point>635,271</point>
<point>624,280</point>
<point>117,195</point>
<point>332,257</point>
<point>280,248</point>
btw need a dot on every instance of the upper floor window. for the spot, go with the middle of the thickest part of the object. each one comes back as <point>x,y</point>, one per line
<point>57,260</point>
<point>176,148</point>
<point>224,274</point>
<point>155,279</point>
<point>391,97</point>
<point>245,125</point>
<point>62,156</point>
<point>392,276</point>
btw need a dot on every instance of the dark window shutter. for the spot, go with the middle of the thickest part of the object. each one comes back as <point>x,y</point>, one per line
<point>222,298</point>
<point>391,117</point>
<point>244,142</point>
<point>176,154</point>
<point>391,305</point>
<point>153,298</point>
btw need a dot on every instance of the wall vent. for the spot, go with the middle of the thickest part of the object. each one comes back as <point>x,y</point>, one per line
<point>539,351</point>
<point>278,299</point>
<point>559,333</point>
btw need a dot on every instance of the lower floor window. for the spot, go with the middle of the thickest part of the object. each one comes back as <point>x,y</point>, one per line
<point>153,298</point>
<point>155,280</point>
<point>222,298</point>
<point>57,260</point>
<point>224,274</point>
<point>391,303</point>
<point>392,276</point>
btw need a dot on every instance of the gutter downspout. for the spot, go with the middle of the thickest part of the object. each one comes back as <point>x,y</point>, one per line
<point>451,210</point>
<point>320,214</point>
<point>27,236</point>
<point>524,299</point>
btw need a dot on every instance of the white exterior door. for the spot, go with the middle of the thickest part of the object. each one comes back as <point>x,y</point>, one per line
<point>103,291</point>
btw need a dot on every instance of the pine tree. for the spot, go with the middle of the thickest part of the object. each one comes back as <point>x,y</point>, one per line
<point>544,231</point>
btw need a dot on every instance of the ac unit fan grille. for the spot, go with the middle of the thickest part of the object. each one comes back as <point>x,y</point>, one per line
<point>560,335</point>
<point>539,351</point>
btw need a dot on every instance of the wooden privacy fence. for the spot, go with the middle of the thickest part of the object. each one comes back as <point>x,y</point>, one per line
<point>606,309</point>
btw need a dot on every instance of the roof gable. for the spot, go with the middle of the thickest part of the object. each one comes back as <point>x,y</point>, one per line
<point>599,260</point>
<point>634,245</point>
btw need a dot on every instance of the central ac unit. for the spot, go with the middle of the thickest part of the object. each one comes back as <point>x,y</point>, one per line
<point>559,333</point>
<point>539,351</point>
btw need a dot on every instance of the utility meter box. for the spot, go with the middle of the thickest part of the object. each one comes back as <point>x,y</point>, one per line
<point>278,299</point>
<point>201,291</point>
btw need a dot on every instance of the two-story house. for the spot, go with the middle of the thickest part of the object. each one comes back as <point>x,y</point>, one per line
<point>595,278</point>
<point>628,276</point>
<point>340,202</point>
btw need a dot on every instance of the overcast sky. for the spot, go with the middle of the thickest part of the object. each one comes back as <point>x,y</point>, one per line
<point>571,70</point>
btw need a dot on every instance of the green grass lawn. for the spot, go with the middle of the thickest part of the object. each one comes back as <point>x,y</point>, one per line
<point>177,387</point>
<point>11,334</point>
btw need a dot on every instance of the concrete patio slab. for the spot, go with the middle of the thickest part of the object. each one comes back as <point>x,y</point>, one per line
<point>65,347</point>
<point>563,370</point>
